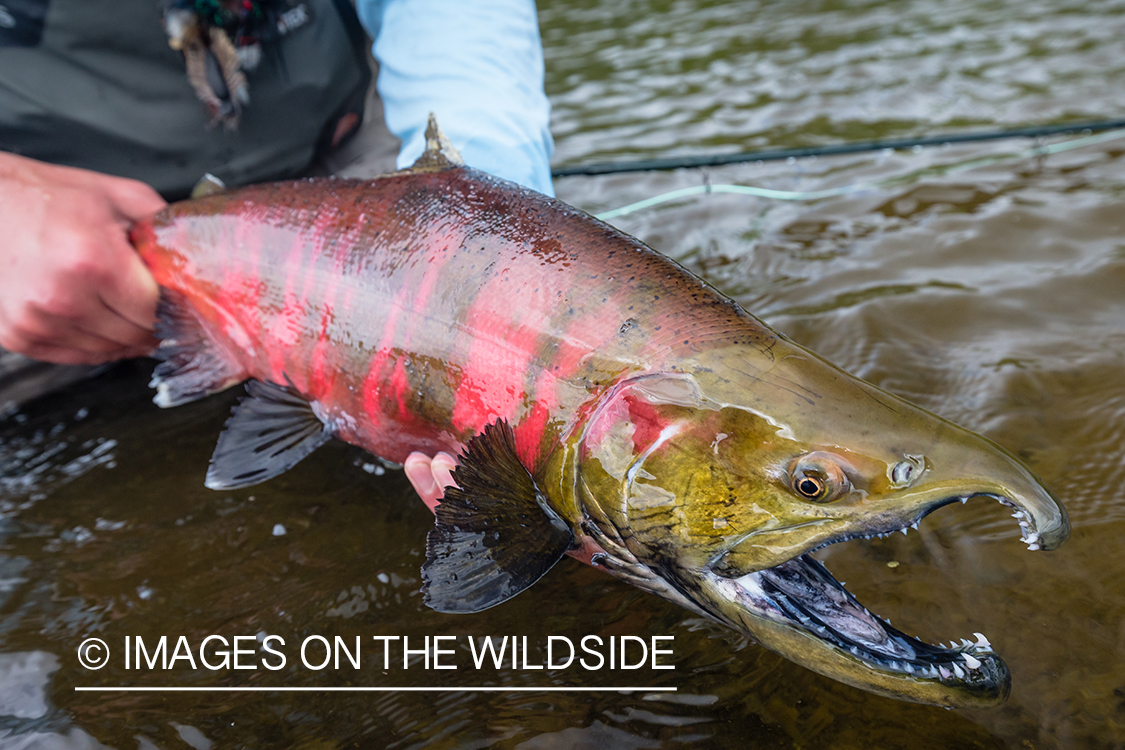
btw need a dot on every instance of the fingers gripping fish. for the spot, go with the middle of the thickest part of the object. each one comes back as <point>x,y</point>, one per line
<point>601,397</point>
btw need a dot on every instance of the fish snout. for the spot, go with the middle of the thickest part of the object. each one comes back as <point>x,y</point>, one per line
<point>987,470</point>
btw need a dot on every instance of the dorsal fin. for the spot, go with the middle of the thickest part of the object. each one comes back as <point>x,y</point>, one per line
<point>208,184</point>
<point>439,154</point>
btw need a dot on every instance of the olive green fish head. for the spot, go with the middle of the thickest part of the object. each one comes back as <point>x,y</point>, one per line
<point>712,485</point>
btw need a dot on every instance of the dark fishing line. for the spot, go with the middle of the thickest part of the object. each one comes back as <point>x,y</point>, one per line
<point>713,160</point>
<point>813,195</point>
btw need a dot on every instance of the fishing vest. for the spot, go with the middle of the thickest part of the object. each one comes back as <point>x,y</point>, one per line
<point>94,84</point>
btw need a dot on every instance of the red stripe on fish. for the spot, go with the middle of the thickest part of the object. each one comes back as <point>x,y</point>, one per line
<point>497,359</point>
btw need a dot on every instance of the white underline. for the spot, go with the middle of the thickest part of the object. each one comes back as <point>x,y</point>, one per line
<point>256,689</point>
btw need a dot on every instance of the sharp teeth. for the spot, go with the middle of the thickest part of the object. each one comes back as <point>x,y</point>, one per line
<point>982,641</point>
<point>1033,547</point>
<point>970,661</point>
<point>964,500</point>
<point>915,526</point>
<point>945,674</point>
<point>903,531</point>
<point>966,642</point>
<point>958,671</point>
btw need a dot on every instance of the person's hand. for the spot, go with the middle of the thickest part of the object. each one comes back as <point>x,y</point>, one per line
<point>72,289</point>
<point>430,476</point>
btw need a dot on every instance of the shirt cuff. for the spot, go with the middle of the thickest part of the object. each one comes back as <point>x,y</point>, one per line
<point>478,66</point>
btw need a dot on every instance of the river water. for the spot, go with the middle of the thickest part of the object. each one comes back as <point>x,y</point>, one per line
<point>983,283</point>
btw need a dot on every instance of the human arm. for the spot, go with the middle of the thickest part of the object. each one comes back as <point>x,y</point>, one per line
<point>479,67</point>
<point>72,290</point>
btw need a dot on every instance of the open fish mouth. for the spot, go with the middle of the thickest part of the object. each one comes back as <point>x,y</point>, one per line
<point>804,594</point>
<point>800,610</point>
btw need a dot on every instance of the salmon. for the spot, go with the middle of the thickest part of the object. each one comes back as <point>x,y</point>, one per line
<point>599,396</point>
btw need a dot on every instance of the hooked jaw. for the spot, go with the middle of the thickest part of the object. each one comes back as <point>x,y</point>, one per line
<point>970,467</point>
<point>798,609</point>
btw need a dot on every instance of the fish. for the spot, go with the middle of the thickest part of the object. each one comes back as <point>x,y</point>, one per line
<point>604,403</point>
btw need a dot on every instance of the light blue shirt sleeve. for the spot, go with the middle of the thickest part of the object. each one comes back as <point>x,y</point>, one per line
<point>477,65</point>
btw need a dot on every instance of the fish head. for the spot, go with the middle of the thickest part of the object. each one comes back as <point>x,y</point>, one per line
<point>720,480</point>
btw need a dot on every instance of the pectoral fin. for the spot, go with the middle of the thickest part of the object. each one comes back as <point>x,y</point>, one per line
<point>495,534</point>
<point>269,431</point>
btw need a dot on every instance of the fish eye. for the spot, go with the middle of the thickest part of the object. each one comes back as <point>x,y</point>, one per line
<point>809,486</point>
<point>819,477</point>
